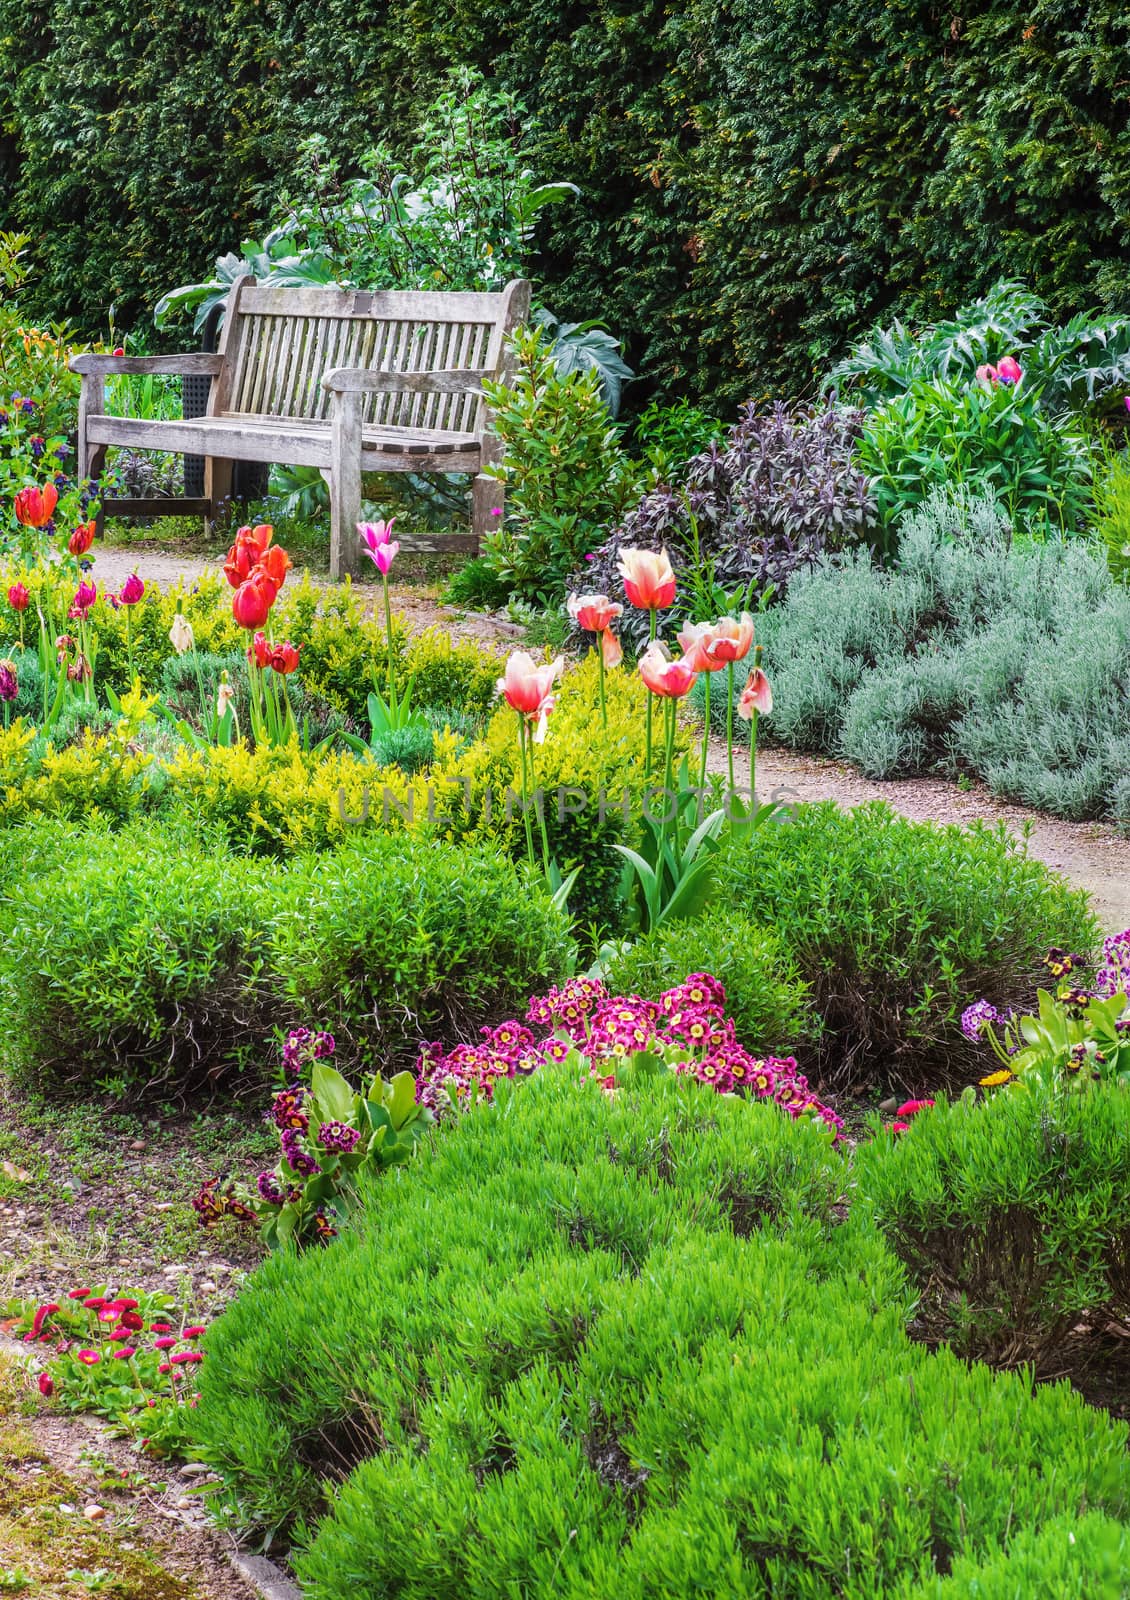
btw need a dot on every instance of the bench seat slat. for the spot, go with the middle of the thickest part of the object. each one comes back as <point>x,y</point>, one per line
<point>304,444</point>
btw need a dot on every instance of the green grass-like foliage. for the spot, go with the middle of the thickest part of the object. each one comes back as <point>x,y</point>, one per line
<point>896,924</point>
<point>157,960</point>
<point>588,1347</point>
<point>1013,1217</point>
<point>765,994</point>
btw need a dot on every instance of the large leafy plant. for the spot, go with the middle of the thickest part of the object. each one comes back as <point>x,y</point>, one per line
<point>1066,367</point>
<point>458,216</point>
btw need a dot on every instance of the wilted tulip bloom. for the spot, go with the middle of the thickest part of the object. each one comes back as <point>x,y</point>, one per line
<point>35,507</point>
<point>665,676</point>
<point>225,697</point>
<point>18,597</point>
<point>756,696</point>
<point>180,634</point>
<point>380,549</point>
<point>132,590</point>
<point>80,670</point>
<point>649,580</point>
<point>81,539</point>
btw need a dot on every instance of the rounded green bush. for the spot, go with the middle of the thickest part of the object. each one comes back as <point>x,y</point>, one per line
<point>765,994</point>
<point>898,926</point>
<point>391,941</point>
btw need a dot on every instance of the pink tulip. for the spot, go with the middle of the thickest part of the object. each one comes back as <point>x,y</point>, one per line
<point>132,590</point>
<point>1126,401</point>
<point>756,696</point>
<point>649,580</point>
<point>664,676</point>
<point>83,603</point>
<point>732,640</point>
<point>526,688</point>
<point>986,373</point>
<point>694,641</point>
<point>594,612</point>
<point>380,549</point>
<point>1008,370</point>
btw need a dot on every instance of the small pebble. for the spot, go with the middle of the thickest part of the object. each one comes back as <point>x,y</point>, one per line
<point>70,1511</point>
<point>137,1144</point>
<point>193,1469</point>
<point>93,1513</point>
<point>183,1503</point>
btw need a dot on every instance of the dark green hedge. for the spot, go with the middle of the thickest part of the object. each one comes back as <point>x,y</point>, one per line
<point>760,182</point>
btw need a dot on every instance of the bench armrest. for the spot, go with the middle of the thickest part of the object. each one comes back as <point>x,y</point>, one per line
<point>358,380</point>
<point>196,364</point>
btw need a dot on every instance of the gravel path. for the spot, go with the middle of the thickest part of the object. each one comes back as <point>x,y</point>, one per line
<point>1088,854</point>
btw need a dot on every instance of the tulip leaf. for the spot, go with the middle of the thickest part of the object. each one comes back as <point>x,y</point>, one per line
<point>401,1099</point>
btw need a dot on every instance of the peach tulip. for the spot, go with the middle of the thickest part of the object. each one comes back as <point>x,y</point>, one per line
<point>695,639</point>
<point>649,580</point>
<point>611,651</point>
<point>732,640</point>
<point>595,613</point>
<point>665,676</point>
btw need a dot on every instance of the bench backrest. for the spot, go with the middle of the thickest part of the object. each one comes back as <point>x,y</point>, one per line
<point>278,344</point>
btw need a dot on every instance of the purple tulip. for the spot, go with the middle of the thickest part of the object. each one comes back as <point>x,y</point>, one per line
<point>9,685</point>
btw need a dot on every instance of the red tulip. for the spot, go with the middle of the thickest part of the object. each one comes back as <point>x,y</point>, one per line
<point>732,639</point>
<point>252,601</point>
<point>81,539</point>
<point>132,590</point>
<point>260,651</point>
<point>18,597</point>
<point>247,551</point>
<point>34,507</point>
<point>666,677</point>
<point>1008,370</point>
<point>276,564</point>
<point>649,581</point>
<point>284,658</point>
<point>756,696</point>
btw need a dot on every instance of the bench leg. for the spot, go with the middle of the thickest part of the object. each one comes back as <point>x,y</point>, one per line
<point>217,489</point>
<point>92,468</point>
<point>488,502</point>
<point>344,479</point>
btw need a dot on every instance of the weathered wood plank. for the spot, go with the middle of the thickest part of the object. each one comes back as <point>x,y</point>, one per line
<point>345,484</point>
<point>195,364</point>
<point>453,380</point>
<point>394,304</point>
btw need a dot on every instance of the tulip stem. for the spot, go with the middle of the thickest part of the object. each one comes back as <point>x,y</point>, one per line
<point>129,644</point>
<point>730,721</point>
<point>523,734</point>
<point>539,809</point>
<point>600,680</point>
<point>706,729</point>
<point>654,617</point>
<point>388,637</point>
<point>668,791</point>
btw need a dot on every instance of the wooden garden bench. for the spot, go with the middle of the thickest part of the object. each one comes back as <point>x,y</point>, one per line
<point>341,379</point>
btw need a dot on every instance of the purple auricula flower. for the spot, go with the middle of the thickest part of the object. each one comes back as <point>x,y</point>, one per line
<point>977,1017</point>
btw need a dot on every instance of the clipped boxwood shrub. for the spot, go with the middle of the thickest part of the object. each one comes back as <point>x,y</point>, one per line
<point>654,1328</point>
<point>389,942</point>
<point>896,925</point>
<point>765,994</point>
<point>1013,1218</point>
<point>134,959</point>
